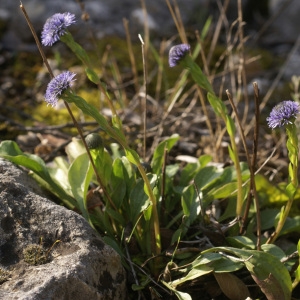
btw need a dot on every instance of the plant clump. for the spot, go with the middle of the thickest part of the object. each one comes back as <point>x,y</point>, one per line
<point>35,255</point>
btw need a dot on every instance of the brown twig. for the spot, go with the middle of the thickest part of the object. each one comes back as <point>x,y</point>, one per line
<point>252,167</point>
<point>254,161</point>
<point>242,79</point>
<point>177,20</point>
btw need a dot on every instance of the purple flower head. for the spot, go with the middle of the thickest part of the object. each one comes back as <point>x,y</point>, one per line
<point>57,86</point>
<point>177,53</point>
<point>283,114</point>
<point>55,27</point>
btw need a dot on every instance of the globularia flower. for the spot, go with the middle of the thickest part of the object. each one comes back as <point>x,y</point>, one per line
<point>55,27</point>
<point>57,86</point>
<point>283,114</point>
<point>176,53</point>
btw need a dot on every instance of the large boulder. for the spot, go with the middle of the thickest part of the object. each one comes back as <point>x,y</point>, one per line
<point>80,266</point>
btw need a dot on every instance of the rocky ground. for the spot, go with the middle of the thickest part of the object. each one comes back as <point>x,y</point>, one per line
<point>272,48</point>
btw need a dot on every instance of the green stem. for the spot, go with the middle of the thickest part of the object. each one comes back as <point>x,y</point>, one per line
<point>239,202</point>
<point>292,146</point>
<point>283,216</point>
<point>221,111</point>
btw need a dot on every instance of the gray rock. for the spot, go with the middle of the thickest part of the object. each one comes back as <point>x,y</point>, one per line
<point>292,66</point>
<point>80,266</point>
<point>285,28</point>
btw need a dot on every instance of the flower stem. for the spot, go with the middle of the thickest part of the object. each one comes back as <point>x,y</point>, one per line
<point>221,111</point>
<point>292,146</point>
<point>65,102</point>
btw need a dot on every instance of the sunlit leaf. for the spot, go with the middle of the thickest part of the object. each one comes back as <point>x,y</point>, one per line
<point>225,191</point>
<point>80,175</point>
<point>271,193</point>
<point>204,160</point>
<point>74,149</point>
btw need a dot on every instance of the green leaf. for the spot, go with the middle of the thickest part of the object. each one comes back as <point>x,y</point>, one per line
<point>226,265</point>
<point>193,274</point>
<point>224,191</point>
<point>196,73</point>
<point>291,225</point>
<point>267,271</point>
<point>240,242</point>
<point>80,175</point>
<point>139,201</point>
<point>59,172</point>
<point>129,175</point>
<point>204,160</point>
<point>291,190</point>
<point>92,76</point>
<point>118,183</point>
<point>158,155</point>
<point>229,210</point>
<point>74,149</point>
<point>218,262</point>
<point>92,111</point>
<point>176,236</point>
<point>207,176</point>
<point>206,258</point>
<point>217,104</point>
<point>187,174</point>
<point>269,192</point>
<point>297,272</point>
<point>103,163</point>
<point>273,250</point>
<point>132,156</point>
<point>115,215</point>
<point>267,217</point>
<point>190,203</point>
<point>148,212</point>
<point>81,54</point>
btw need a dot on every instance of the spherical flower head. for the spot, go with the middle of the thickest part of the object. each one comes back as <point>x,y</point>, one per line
<point>55,27</point>
<point>177,53</point>
<point>283,114</point>
<point>57,86</point>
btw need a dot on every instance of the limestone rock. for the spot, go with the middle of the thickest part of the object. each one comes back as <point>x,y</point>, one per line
<point>80,266</point>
